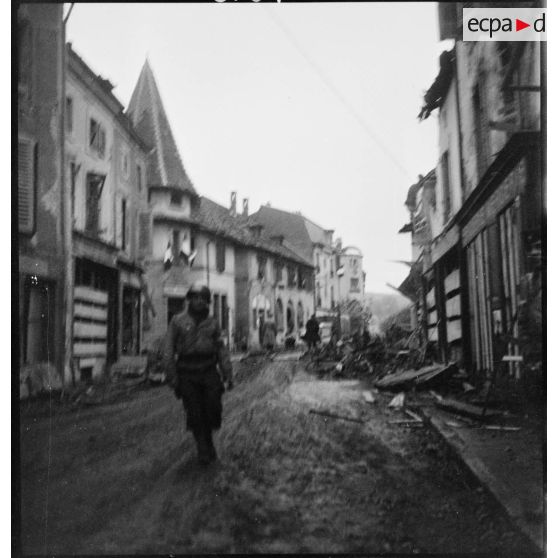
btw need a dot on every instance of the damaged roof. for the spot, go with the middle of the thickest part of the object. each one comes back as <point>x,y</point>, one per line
<point>411,200</point>
<point>435,96</point>
<point>297,229</point>
<point>218,219</point>
<point>148,115</point>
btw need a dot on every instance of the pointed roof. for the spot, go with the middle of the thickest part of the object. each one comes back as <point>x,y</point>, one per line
<point>148,115</point>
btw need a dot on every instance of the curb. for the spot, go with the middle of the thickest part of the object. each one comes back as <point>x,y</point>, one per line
<point>505,497</point>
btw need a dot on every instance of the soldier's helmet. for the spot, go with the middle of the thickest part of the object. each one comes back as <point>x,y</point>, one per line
<point>201,289</point>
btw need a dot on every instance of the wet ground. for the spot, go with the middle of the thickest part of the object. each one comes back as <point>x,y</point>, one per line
<point>122,478</point>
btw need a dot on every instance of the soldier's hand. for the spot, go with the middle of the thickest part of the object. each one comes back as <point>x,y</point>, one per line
<point>174,386</point>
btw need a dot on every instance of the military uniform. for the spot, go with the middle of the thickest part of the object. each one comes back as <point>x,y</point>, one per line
<point>200,356</point>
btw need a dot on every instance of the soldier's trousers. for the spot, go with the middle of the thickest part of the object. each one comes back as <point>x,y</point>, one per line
<point>201,396</point>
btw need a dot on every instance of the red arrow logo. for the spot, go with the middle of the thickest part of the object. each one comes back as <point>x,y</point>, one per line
<point>519,25</point>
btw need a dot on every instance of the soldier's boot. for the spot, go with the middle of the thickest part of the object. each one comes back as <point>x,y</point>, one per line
<point>211,448</point>
<point>204,456</point>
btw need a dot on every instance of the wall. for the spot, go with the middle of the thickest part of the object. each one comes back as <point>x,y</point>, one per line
<point>479,63</point>
<point>325,261</point>
<point>128,188</point>
<point>86,106</point>
<point>39,112</point>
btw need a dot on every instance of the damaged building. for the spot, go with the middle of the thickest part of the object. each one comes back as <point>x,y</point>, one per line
<point>481,261</point>
<point>106,165</point>
<point>41,233</point>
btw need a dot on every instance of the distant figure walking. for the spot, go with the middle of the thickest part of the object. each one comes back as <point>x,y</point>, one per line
<point>312,336</point>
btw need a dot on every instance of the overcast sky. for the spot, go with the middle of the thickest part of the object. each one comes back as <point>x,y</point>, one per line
<point>311,107</point>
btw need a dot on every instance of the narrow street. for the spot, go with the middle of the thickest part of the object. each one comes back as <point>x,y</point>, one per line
<point>123,478</point>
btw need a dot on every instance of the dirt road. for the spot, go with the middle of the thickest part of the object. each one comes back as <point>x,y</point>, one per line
<point>123,478</point>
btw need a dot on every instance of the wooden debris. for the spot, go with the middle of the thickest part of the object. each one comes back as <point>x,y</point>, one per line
<point>368,397</point>
<point>410,378</point>
<point>404,422</point>
<point>505,428</point>
<point>465,409</point>
<point>455,424</point>
<point>436,396</point>
<point>398,401</point>
<point>413,415</point>
<point>332,415</point>
<point>467,387</point>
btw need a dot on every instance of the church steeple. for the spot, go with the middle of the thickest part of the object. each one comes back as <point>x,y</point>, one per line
<point>148,115</point>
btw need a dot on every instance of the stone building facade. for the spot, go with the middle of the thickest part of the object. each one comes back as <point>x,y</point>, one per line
<point>40,184</point>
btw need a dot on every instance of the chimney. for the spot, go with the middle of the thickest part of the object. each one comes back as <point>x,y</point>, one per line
<point>233,204</point>
<point>245,207</point>
<point>338,244</point>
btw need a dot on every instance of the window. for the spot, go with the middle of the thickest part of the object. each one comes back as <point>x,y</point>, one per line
<point>26,185</point>
<point>24,54</point>
<point>262,262</point>
<point>355,288</point>
<point>331,267</point>
<point>301,280</point>
<point>74,169</point>
<point>138,177</point>
<point>123,225</point>
<point>224,313</point>
<point>176,244</point>
<point>94,189</point>
<point>69,115</point>
<point>278,272</point>
<point>446,193</point>
<point>220,256</point>
<point>291,276</point>
<point>37,326</point>
<point>176,198</point>
<point>300,315</point>
<point>130,320</point>
<point>97,138</point>
<point>125,164</point>
<point>216,313</point>
<point>332,299</point>
<point>144,233</point>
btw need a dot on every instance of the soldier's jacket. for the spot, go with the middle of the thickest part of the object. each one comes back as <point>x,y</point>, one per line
<point>196,346</point>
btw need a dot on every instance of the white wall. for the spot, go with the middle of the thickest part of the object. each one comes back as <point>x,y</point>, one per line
<point>85,107</point>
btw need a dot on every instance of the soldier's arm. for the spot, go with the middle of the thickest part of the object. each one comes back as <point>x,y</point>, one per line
<point>223,358</point>
<point>168,352</point>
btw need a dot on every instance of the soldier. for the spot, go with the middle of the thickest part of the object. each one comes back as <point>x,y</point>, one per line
<point>193,339</point>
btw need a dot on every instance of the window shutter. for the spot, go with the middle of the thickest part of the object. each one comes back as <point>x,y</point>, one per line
<point>144,240</point>
<point>26,186</point>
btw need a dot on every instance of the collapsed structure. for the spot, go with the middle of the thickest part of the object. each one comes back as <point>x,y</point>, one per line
<point>477,219</point>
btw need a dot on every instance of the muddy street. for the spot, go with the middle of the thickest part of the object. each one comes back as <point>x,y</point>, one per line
<point>123,478</point>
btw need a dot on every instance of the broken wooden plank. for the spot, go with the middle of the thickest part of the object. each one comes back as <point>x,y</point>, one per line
<point>465,409</point>
<point>405,422</point>
<point>332,415</point>
<point>422,376</point>
<point>504,428</point>
<point>413,415</point>
<point>398,401</point>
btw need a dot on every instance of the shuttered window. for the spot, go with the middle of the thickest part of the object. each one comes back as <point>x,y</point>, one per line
<point>144,239</point>
<point>26,185</point>
<point>220,256</point>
